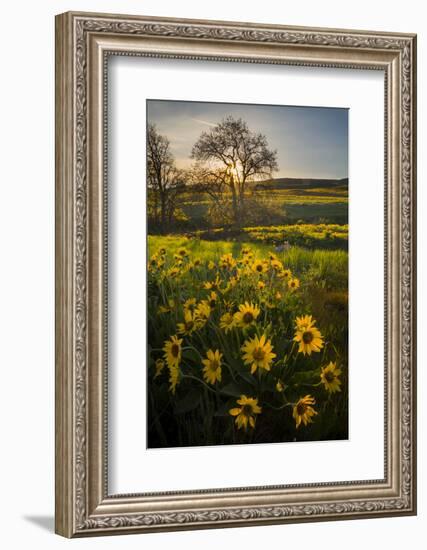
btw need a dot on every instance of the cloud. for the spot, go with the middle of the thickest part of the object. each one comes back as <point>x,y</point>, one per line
<point>203,121</point>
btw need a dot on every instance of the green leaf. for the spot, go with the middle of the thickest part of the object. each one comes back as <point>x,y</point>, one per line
<point>232,389</point>
<point>306,377</point>
<point>188,403</point>
<point>225,407</point>
<point>247,377</point>
<point>268,383</point>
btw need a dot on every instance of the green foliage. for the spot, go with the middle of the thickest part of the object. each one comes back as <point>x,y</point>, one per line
<point>197,412</point>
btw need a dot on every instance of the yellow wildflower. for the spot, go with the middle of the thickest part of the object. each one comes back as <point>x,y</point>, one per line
<point>212,299</point>
<point>286,274</point>
<point>246,315</point>
<point>276,265</point>
<point>173,351</point>
<point>227,261</point>
<point>173,377</point>
<point>258,353</point>
<point>307,335</point>
<point>329,377</point>
<point>202,312</point>
<point>213,285</point>
<point>173,272</point>
<point>227,322</point>
<point>190,303</point>
<point>160,365</point>
<point>212,368</point>
<point>293,283</point>
<point>245,414</point>
<point>173,354</point>
<point>303,411</point>
<point>259,266</point>
<point>189,325</point>
<point>168,308</point>
<point>280,386</point>
<point>183,252</point>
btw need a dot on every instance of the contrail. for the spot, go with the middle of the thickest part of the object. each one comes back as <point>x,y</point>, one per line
<point>203,121</point>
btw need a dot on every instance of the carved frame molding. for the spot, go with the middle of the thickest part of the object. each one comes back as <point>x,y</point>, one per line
<point>83,44</point>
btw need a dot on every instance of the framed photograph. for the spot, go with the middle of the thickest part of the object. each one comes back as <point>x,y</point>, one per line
<point>235,274</point>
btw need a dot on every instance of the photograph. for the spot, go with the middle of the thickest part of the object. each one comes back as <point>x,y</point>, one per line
<point>247,273</point>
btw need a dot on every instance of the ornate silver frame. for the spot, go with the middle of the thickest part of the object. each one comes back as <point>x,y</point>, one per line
<point>83,43</point>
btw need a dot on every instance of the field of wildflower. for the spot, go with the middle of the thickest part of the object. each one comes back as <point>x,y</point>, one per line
<point>327,236</point>
<point>247,343</point>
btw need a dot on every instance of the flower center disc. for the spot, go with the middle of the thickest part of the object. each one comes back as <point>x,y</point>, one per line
<point>248,317</point>
<point>247,410</point>
<point>300,408</point>
<point>258,354</point>
<point>329,377</point>
<point>307,337</point>
<point>175,350</point>
<point>214,365</point>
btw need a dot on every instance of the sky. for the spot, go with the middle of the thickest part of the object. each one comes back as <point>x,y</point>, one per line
<point>311,142</point>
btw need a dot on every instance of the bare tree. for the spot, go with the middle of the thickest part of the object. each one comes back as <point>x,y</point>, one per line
<point>232,155</point>
<point>215,183</point>
<point>164,180</point>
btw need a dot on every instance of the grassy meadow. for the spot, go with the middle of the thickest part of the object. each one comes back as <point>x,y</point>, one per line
<point>247,328</point>
<point>292,205</point>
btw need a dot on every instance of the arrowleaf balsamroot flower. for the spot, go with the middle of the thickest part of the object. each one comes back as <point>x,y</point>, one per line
<point>245,414</point>
<point>213,285</point>
<point>258,353</point>
<point>212,366</point>
<point>202,312</point>
<point>276,264</point>
<point>173,354</point>
<point>329,377</point>
<point>226,322</point>
<point>168,308</point>
<point>189,304</point>
<point>212,299</point>
<point>259,266</point>
<point>183,252</point>
<point>190,323</point>
<point>280,386</point>
<point>307,335</point>
<point>246,315</point>
<point>303,410</point>
<point>286,274</point>
<point>293,283</point>
<point>173,351</point>
<point>160,365</point>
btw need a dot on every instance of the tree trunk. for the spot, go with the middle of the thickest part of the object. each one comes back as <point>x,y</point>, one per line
<point>235,203</point>
<point>163,214</point>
